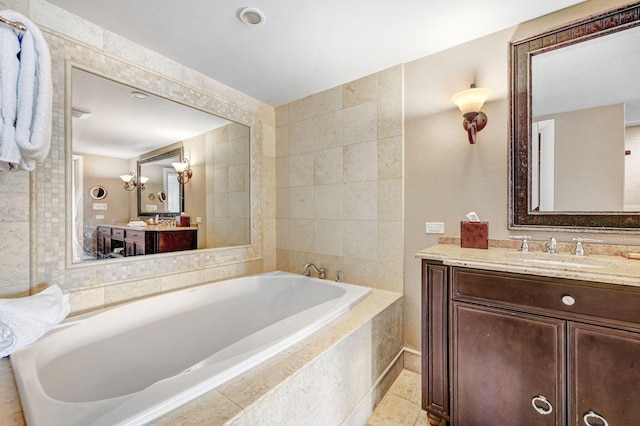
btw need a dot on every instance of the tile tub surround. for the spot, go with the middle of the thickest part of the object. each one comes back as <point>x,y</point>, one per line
<point>339,181</point>
<point>620,270</point>
<point>331,377</point>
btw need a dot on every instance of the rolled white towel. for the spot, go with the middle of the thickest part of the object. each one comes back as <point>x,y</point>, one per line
<point>34,94</point>
<point>9,68</point>
<point>24,320</point>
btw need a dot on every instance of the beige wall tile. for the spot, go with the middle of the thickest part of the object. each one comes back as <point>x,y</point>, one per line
<point>328,166</point>
<point>360,91</point>
<point>327,201</point>
<point>361,162</point>
<point>361,239</point>
<point>328,237</point>
<point>300,169</point>
<point>360,123</point>
<point>361,200</point>
<point>390,202</point>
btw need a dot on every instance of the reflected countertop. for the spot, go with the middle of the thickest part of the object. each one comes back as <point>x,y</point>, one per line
<point>150,227</point>
<point>613,268</point>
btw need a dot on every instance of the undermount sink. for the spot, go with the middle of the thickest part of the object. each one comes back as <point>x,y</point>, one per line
<point>566,260</point>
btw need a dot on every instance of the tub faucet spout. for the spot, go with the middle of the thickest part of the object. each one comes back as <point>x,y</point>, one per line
<point>307,270</point>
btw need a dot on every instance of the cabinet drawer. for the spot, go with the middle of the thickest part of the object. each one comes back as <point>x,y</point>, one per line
<point>118,233</point>
<point>559,297</point>
<point>105,232</point>
<point>135,235</point>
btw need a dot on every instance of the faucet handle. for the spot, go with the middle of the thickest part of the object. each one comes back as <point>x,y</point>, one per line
<point>579,241</point>
<point>525,241</point>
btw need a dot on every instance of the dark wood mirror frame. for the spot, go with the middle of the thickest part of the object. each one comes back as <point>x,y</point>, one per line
<point>521,53</point>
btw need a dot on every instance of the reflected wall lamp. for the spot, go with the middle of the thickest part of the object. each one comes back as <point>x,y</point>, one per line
<point>470,102</point>
<point>131,181</point>
<point>184,170</point>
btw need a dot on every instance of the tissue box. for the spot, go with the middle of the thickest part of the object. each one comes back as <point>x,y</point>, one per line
<point>183,220</point>
<point>474,235</point>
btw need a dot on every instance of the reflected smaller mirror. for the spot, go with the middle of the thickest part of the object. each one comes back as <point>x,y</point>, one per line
<point>163,179</point>
<point>98,192</point>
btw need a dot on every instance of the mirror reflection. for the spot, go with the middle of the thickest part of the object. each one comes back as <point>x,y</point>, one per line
<point>177,161</point>
<point>585,130</point>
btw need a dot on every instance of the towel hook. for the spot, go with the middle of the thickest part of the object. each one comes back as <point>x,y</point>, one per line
<point>15,24</point>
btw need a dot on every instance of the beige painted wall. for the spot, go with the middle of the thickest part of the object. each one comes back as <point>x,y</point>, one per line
<point>632,169</point>
<point>589,160</point>
<point>445,177</point>
<point>104,171</point>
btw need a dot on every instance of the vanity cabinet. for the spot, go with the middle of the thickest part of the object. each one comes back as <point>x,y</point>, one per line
<point>523,349</point>
<point>136,241</point>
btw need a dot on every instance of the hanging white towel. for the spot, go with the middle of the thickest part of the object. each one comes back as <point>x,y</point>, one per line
<point>9,68</point>
<point>33,94</point>
<point>24,320</point>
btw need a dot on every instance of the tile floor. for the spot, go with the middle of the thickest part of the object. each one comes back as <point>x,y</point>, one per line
<point>401,405</point>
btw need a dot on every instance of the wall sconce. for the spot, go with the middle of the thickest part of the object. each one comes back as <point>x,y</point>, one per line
<point>470,102</point>
<point>131,181</point>
<point>184,170</point>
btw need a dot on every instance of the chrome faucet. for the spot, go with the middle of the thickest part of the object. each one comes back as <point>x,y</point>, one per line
<point>307,270</point>
<point>552,245</point>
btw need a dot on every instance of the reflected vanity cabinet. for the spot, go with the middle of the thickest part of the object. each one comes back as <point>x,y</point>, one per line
<point>505,348</point>
<point>126,241</point>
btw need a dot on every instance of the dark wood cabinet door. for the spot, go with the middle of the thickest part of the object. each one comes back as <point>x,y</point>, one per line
<point>435,338</point>
<point>604,375</point>
<point>501,361</point>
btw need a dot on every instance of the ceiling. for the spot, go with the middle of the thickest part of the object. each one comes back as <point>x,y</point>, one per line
<point>302,47</point>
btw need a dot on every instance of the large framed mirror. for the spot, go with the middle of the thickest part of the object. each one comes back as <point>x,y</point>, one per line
<point>124,133</point>
<point>575,126</point>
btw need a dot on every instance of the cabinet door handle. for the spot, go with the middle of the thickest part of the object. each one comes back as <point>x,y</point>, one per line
<point>592,415</point>
<point>568,300</point>
<point>542,401</point>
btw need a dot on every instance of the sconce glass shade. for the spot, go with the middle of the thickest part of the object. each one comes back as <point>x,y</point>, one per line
<point>180,166</point>
<point>127,178</point>
<point>471,100</point>
<point>144,179</point>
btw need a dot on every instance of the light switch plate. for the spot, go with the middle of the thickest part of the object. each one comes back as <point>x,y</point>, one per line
<point>99,206</point>
<point>434,227</point>
<point>152,208</point>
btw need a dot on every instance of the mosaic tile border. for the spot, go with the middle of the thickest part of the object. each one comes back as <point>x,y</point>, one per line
<point>49,239</point>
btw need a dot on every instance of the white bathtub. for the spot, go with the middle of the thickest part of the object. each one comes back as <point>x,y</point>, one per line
<point>131,363</point>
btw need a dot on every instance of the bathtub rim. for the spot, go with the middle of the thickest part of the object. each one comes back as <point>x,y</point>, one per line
<point>16,361</point>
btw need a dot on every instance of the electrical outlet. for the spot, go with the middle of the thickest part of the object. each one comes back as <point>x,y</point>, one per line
<point>152,208</point>
<point>434,227</point>
<point>99,217</point>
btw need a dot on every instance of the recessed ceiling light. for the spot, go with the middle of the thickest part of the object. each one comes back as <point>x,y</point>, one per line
<point>139,95</point>
<point>251,16</point>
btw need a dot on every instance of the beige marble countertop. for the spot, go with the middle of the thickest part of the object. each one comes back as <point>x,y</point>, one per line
<point>609,265</point>
<point>149,227</point>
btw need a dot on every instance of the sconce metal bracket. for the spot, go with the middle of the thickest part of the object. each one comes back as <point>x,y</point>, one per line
<point>473,123</point>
